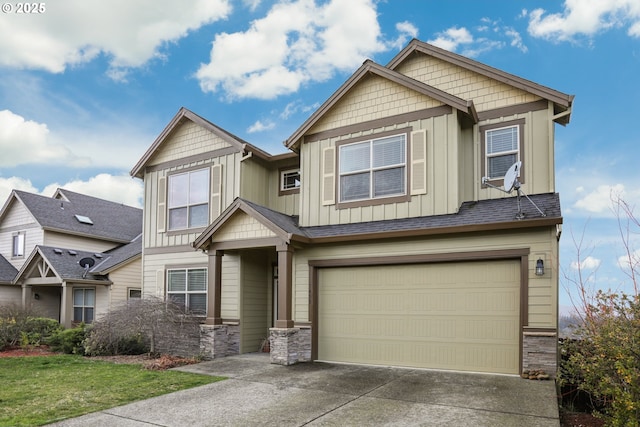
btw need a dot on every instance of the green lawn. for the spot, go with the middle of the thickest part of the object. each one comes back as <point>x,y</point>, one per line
<point>40,390</point>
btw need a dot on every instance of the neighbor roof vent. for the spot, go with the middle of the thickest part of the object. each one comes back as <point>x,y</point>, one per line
<point>84,219</point>
<point>74,253</point>
<point>58,251</point>
<point>97,255</point>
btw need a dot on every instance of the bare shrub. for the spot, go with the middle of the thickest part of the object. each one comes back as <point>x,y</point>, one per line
<point>145,325</point>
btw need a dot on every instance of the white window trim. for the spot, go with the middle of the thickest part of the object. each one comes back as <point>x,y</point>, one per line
<point>372,169</point>
<point>84,306</point>
<point>188,206</point>
<point>186,292</point>
<point>22,238</point>
<point>282,179</point>
<point>488,156</point>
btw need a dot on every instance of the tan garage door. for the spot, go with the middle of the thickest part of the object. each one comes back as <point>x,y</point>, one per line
<point>461,316</point>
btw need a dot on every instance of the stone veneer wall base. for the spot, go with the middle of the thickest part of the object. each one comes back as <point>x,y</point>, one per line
<point>540,352</point>
<point>219,341</point>
<point>290,345</point>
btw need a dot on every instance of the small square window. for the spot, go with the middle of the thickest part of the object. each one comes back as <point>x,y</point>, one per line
<point>289,179</point>
<point>134,293</point>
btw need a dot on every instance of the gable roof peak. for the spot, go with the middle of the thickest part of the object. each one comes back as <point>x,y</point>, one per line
<point>562,101</point>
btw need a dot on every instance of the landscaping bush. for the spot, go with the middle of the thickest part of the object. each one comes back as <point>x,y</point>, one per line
<point>14,321</point>
<point>69,341</point>
<point>38,330</point>
<point>149,325</point>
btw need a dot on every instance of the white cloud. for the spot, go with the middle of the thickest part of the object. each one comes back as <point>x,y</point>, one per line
<point>116,188</point>
<point>14,183</point>
<point>516,39</point>
<point>586,18</point>
<point>295,43</point>
<point>630,261</point>
<point>451,38</point>
<point>130,33</point>
<point>599,200</point>
<point>26,141</point>
<point>260,126</point>
<point>589,263</point>
<point>406,31</point>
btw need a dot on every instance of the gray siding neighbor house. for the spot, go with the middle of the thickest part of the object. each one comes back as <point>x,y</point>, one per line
<point>380,236</point>
<point>69,257</point>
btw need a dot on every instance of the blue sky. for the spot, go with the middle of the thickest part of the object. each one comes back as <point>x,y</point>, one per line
<point>86,86</point>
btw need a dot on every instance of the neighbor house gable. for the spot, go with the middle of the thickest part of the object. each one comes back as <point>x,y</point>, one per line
<point>369,83</point>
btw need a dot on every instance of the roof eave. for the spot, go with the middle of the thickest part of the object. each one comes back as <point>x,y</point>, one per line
<point>472,228</point>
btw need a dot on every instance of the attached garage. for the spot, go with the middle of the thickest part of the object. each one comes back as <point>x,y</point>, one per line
<point>462,315</point>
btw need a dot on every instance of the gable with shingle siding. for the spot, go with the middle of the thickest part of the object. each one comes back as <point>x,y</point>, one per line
<point>486,93</point>
<point>188,139</point>
<point>373,98</point>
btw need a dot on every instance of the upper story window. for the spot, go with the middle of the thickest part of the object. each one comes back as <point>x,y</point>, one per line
<point>188,288</point>
<point>289,179</point>
<point>502,149</point>
<point>18,245</point>
<point>373,169</point>
<point>188,199</point>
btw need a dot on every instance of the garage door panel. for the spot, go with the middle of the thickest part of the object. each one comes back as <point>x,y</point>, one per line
<point>432,315</point>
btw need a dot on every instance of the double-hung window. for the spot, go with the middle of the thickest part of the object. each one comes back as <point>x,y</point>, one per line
<point>502,149</point>
<point>373,169</point>
<point>189,199</point>
<point>18,245</point>
<point>188,287</point>
<point>84,301</point>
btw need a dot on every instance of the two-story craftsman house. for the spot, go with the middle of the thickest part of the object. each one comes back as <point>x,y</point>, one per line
<point>380,237</point>
<point>70,257</point>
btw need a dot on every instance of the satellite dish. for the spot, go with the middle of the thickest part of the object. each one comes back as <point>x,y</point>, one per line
<point>511,183</point>
<point>511,177</point>
<point>87,262</point>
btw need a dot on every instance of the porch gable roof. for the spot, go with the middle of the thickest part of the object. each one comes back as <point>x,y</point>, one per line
<point>283,226</point>
<point>64,264</point>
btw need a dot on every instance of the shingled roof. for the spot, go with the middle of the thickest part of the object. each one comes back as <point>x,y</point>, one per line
<point>110,221</point>
<point>7,271</point>
<point>65,263</point>
<point>493,214</point>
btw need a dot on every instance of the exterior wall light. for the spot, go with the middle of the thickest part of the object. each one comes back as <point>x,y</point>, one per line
<point>539,267</point>
<point>36,296</point>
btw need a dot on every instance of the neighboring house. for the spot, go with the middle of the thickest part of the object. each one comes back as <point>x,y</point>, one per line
<point>69,256</point>
<point>376,240</point>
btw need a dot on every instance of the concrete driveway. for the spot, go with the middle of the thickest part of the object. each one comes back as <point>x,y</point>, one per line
<point>321,394</point>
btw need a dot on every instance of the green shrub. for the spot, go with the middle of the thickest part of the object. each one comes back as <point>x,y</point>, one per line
<point>605,362</point>
<point>14,321</point>
<point>69,341</point>
<point>39,329</point>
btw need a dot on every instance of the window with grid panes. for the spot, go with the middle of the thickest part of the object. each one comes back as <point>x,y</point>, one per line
<point>502,150</point>
<point>373,169</point>
<point>188,198</point>
<point>84,301</point>
<point>188,288</point>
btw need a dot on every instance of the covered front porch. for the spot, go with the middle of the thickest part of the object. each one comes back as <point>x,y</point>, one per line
<point>264,248</point>
<point>55,285</point>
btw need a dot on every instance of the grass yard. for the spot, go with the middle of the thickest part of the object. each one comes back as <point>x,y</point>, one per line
<point>45,389</point>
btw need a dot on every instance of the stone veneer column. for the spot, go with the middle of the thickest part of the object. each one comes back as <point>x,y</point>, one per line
<point>290,345</point>
<point>540,351</point>
<point>219,340</point>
